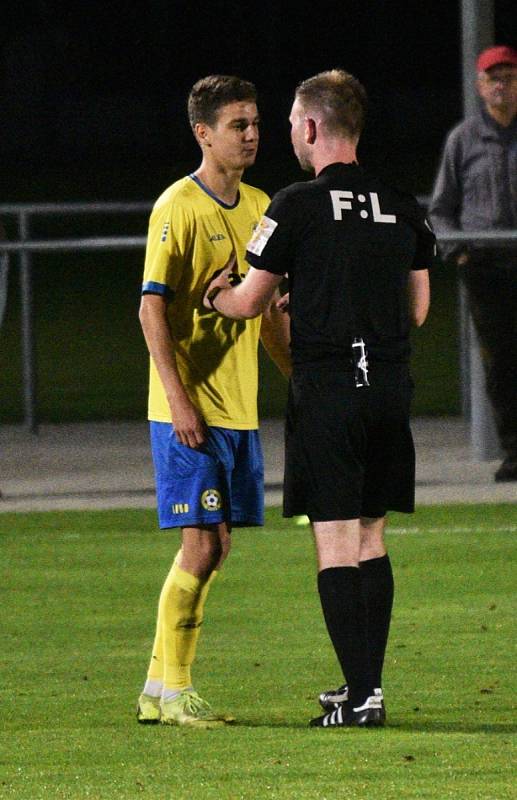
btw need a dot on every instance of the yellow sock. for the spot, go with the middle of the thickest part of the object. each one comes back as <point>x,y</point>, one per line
<point>155,671</point>
<point>180,614</point>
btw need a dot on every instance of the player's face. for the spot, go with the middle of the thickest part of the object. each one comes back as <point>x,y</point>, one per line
<point>234,138</point>
<point>297,120</point>
<point>498,87</point>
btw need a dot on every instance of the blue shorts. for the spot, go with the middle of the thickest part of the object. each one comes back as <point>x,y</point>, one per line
<point>223,481</point>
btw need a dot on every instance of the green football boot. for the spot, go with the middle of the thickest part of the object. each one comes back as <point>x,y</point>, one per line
<point>148,710</point>
<point>188,708</point>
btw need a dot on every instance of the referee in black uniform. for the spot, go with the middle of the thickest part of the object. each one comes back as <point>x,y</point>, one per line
<point>356,253</point>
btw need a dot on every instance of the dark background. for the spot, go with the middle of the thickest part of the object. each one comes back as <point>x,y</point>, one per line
<point>93,107</point>
<point>93,94</point>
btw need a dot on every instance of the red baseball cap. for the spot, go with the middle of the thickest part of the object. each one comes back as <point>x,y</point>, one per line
<point>492,56</point>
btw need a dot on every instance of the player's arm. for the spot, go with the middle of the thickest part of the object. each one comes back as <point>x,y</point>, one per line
<point>257,294</point>
<point>275,335</point>
<point>188,422</point>
<point>419,292</point>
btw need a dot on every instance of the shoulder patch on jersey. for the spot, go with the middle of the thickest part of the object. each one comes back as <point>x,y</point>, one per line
<point>165,231</point>
<point>261,235</point>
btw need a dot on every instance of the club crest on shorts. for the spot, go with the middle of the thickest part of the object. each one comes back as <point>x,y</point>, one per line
<point>211,500</point>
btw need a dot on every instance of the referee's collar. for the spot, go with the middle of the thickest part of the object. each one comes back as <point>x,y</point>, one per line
<point>340,166</point>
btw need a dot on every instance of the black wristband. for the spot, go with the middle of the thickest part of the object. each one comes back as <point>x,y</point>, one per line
<point>211,295</point>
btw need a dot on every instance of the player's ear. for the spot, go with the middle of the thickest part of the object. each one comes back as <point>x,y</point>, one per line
<point>202,134</point>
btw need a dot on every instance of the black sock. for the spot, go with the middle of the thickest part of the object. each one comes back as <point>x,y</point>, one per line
<point>345,615</point>
<point>377,587</point>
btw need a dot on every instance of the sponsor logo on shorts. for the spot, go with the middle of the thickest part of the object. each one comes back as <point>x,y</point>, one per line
<point>211,500</point>
<point>180,508</point>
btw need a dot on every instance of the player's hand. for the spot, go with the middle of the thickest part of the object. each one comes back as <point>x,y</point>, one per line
<point>283,303</point>
<point>189,425</point>
<point>223,278</point>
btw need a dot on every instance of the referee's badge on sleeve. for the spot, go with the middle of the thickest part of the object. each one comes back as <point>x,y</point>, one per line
<point>263,232</point>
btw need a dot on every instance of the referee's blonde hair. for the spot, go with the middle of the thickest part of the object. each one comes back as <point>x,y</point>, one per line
<point>339,97</point>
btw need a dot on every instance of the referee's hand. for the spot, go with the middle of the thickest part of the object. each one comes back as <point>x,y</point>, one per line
<point>283,303</point>
<point>223,278</point>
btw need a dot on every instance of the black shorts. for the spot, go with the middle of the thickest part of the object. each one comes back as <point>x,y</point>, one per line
<point>349,451</point>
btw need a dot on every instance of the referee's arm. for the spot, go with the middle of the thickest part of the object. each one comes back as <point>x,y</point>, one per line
<point>245,301</point>
<point>419,292</point>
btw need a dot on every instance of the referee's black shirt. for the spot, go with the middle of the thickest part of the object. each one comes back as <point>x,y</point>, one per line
<point>347,242</point>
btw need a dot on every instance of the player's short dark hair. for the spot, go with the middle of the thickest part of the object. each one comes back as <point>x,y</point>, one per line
<point>341,98</point>
<point>209,94</point>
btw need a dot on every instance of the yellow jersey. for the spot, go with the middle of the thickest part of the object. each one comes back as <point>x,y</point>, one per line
<point>191,235</point>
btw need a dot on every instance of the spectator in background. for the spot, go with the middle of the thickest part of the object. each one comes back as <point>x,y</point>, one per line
<point>476,189</point>
<point>4,269</point>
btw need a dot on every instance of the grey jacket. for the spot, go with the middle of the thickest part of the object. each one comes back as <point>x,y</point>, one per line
<point>476,184</point>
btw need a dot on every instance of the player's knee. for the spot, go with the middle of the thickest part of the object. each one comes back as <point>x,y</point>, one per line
<point>372,537</point>
<point>209,557</point>
<point>225,540</point>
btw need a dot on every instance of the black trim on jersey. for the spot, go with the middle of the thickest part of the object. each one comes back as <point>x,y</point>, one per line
<point>207,191</point>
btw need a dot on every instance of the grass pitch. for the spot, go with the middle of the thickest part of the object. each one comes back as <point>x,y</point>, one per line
<point>79,592</point>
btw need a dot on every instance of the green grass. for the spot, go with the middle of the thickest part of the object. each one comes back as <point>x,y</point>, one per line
<point>92,360</point>
<point>79,591</point>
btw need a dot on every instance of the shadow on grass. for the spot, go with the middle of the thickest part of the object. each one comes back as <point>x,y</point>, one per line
<point>457,726</point>
<point>430,726</point>
<point>258,723</point>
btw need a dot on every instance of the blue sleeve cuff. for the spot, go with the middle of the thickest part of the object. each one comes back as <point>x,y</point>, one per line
<point>152,287</point>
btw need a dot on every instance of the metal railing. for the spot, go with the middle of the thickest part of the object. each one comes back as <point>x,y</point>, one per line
<point>473,392</point>
<point>24,247</point>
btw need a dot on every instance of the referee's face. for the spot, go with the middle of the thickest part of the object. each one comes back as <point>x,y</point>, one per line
<point>234,138</point>
<point>297,120</point>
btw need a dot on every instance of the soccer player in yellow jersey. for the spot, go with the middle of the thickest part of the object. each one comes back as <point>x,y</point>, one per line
<point>203,382</point>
